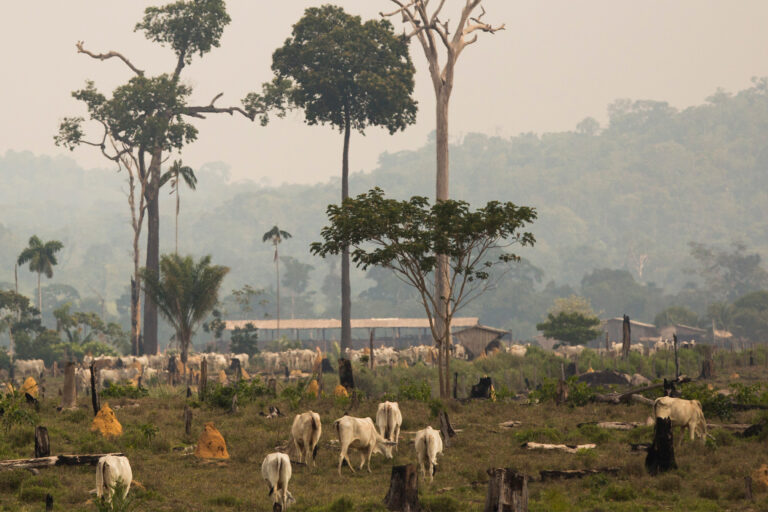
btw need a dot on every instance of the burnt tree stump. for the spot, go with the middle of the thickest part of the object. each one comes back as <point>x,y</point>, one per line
<point>42,445</point>
<point>482,389</point>
<point>403,494</point>
<point>346,378</point>
<point>203,379</point>
<point>661,453</point>
<point>507,491</point>
<point>94,392</point>
<point>48,503</point>
<point>626,337</point>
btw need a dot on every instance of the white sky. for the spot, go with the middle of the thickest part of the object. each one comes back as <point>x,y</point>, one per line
<point>558,62</point>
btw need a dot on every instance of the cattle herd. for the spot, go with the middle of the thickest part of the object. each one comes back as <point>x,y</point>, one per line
<point>359,436</point>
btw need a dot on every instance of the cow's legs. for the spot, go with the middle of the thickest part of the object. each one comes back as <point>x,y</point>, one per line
<point>299,449</point>
<point>370,453</point>
<point>345,456</point>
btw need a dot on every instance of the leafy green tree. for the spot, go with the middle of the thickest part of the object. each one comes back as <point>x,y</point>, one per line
<point>149,116</point>
<point>408,236</point>
<point>18,318</point>
<point>750,316</point>
<point>729,274</point>
<point>351,75</point>
<point>175,175</point>
<point>573,328</point>
<point>41,257</point>
<point>185,291</point>
<point>276,236</point>
<point>573,304</point>
<point>244,340</point>
<point>676,315</point>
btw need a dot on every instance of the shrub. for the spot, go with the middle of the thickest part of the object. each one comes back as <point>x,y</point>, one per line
<point>124,391</point>
<point>15,411</point>
<point>712,403</point>
<point>539,435</point>
<point>219,395</point>
<point>410,390</point>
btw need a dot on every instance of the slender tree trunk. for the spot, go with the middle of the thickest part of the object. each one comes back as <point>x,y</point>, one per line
<point>346,299</point>
<point>177,214</point>
<point>135,310</point>
<point>153,250</point>
<point>39,296</point>
<point>277,273</point>
<point>442,273</point>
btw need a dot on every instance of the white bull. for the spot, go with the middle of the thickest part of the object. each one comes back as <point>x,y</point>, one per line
<point>25,367</point>
<point>360,434</point>
<point>683,413</point>
<point>276,470</point>
<point>110,470</point>
<point>306,431</point>
<point>428,446</point>
<point>389,419</point>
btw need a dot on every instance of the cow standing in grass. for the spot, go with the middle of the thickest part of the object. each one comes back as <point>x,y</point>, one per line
<point>428,446</point>
<point>110,470</point>
<point>389,419</point>
<point>276,470</point>
<point>683,413</point>
<point>360,434</point>
<point>306,431</point>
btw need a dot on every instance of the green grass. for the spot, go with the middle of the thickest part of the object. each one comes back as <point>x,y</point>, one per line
<point>709,477</point>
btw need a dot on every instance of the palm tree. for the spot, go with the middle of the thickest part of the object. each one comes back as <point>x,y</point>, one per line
<point>41,257</point>
<point>185,292</point>
<point>173,174</point>
<point>276,235</point>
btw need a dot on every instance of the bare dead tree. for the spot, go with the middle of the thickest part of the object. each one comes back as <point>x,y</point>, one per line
<point>435,37</point>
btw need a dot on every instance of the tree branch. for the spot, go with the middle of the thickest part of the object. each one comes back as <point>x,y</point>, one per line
<point>108,55</point>
<point>212,109</point>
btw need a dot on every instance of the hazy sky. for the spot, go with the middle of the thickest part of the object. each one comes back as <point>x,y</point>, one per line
<point>557,62</point>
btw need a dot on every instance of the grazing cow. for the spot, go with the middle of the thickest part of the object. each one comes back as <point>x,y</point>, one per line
<point>428,446</point>
<point>25,367</point>
<point>389,419</point>
<point>360,434</point>
<point>306,430</point>
<point>683,413</point>
<point>110,470</point>
<point>276,470</point>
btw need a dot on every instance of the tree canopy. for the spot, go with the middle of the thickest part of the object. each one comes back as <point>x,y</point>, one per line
<point>572,328</point>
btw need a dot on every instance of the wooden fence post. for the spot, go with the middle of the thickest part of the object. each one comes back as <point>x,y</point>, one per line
<point>507,491</point>
<point>42,444</point>
<point>203,379</point>
<point>626,338</point>
<point>94,392</point>
<point>403,494</point>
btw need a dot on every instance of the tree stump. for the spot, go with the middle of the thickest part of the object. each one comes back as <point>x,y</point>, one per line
<point>626,337</point>
<point>42,445</point>
<point>235,367</point>
<point>507,491</point>
<point>455,385</point>
<point>94,392</point>
<point>661,454</point>
<point>482,389</point>
<point>69,393</point>
<point>707,369</point>
<point>187,420</point>
<point>445,428</point>
<point>55,369</point>
<point>276,507</point>
<point>203,379</point>
<point>346,378</point>
<point>403,494</point>
<point>48,503</point>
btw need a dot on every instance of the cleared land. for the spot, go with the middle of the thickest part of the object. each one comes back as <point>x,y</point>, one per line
<point>710,476</point>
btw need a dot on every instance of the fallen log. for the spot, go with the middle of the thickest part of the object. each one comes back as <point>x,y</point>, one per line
<point>511,424</point>
<point>567,474</point>
<point>55,460</point>
<point>530,445</point>
<point>614,425</point>
<point>618,398</point>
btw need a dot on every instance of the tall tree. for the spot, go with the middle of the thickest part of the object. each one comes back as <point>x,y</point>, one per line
<point>175,175</point>
<point>147,116</point>
<point>296,277</point>
<point>185,291</point>
<point>276,236</point>
<point>41,258</point>
<point>434,34</point>
<point>407,237</point>
<point>351,75</point>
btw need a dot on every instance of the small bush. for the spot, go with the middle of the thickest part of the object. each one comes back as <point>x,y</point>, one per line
<point>539,435</point>
<point>595,434</point>
<point>123,391</point>
<point>219,395</point>
<point>410,390</point>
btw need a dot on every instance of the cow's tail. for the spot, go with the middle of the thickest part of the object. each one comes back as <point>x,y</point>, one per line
<point>100,478</point>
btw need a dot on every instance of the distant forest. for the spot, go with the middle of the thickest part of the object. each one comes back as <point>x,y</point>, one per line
<point>629,215</point>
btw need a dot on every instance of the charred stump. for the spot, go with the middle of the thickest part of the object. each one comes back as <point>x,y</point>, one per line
<point>203,379</point>
<point>507,491</point>
<point>626,337</point>
<point>42,444</point>
<point>661,453</point>
<point>403,494</point>
<point>482,389</point>
<point>94,392</point>
<point>272,386</point>
<point>48,503</point>
<point>346,378</point>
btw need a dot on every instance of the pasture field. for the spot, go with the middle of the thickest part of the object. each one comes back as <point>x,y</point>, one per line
<point>710,476</point>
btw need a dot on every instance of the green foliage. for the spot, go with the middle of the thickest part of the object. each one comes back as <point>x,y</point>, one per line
<point>149,431</point>
<point>574,328</point>
<point>373,88</point>
<point>219,395</point>
<point>411,390</point>
<point>676,315</point>
<point>15,411</point>
<point>729,274</point>
<point>244,340</point>
<point>618,492</point>
<point>749,316</point>
<point>118,503</point>
<point>116,390</point>
<point>40,255</point>
<point>440,504</point>
<point>5,359</point>
<point>539,435</point>
<point>712,403</point>
<point>579,393</point>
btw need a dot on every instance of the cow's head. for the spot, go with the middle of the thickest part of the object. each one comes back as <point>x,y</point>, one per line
<point>385,447</point>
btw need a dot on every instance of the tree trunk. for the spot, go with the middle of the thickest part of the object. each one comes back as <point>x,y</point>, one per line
<point>346,378</point>
<point>187,420</point>
<point>277,274</point>
<point>94,392</point>
<point>661,454</point>
<point>39,296</point>
<point>403,494</point>
<point>370,347</point>
<point>42,444</point>
<point>48,503</point>
<point>135,308</point>
<point>69,393</point>
<point>507,491</point>
<point>153,249</point>
<point>346,290</point>
<point>55,460</point>
<point>203,379</point>
<point>626,338</point>
<point>177,214</point>
<point>677,361</point>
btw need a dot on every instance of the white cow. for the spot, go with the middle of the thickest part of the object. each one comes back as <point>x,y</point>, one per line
<point>428,446</point>
<point>276,470</point>
<point>389,419</point>
<point>360,434</point>
<point>33,367</point>
<point>306,430</point>
<point>110,470</point>
<point>683,413</point>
